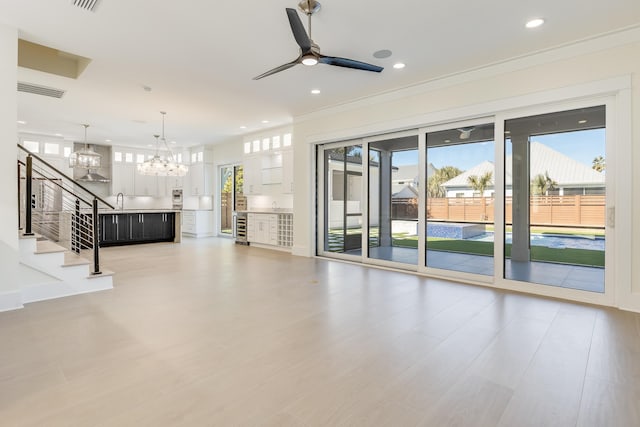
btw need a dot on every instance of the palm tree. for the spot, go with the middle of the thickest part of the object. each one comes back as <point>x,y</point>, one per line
<point>442,175</point>
<point>481,183</point>
<point>541,184</point>
<point>599,164</point>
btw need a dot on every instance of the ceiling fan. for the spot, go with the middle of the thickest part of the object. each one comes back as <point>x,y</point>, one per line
<point>309,51</point>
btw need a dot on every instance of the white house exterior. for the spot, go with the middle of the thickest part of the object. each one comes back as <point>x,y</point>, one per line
<point>571,176</point>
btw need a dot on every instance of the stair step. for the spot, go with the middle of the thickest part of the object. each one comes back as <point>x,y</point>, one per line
<point>48,247</point>
<point>71,259</point>
<point>104,273</point>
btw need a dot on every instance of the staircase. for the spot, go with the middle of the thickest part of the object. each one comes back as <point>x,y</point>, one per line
<point>68,273</point>
<point>58,225</point>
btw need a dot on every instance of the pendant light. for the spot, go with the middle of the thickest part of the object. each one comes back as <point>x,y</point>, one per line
<point>87,158</point>
<point>159,166</point>
<point>84,158</point>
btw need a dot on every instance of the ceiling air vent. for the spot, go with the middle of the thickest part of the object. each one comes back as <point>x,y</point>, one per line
<point>40,90</point>
<point>89,5</point>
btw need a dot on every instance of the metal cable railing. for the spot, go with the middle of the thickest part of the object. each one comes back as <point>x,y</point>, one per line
<point>60,209</point>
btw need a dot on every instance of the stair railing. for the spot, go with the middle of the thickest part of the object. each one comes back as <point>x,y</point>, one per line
<point>57,207</point>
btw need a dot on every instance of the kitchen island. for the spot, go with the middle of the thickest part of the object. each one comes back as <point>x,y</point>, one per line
<point>127,227</point>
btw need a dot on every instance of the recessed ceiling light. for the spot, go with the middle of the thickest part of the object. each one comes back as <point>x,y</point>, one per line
<point>173,142</point>
<point>149,145</point>
<point>265,121</point>
<point>398,65</point>
<point>22,122</point>
<point>315,91</point>
<point>381,54</point>
<point>534,23</point>
<point>58,134</point>
<point>243,127</point>
<point>107,140</point>
<point>581,122</point>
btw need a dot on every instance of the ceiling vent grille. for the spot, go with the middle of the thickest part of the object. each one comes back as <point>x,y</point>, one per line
<point>89,5</point>
<point>40,90</point>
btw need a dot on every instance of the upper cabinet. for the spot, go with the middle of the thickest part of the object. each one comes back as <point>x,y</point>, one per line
<point>200,172</point>
<point>268,165</point>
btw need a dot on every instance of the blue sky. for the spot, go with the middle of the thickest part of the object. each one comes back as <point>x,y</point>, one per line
<point>582,146</point>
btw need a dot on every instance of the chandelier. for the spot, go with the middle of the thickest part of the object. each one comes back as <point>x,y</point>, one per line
<point>162,165</point>
<point>85,157</point>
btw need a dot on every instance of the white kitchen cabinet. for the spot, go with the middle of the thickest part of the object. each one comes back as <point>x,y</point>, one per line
<point>145,185</point>
<point>122,179</point>
<point>252,175</point>
<point>287,171</point>
<point>200,177</point>
<point>197,223</point>
<point>262,228</point>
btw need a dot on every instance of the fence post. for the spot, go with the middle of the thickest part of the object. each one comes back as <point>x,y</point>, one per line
<point>96,240</point>
<point>28,196</point>
<point>578,209</point>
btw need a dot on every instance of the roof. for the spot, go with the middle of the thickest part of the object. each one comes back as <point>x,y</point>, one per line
<point>408,192</point>
<point>561,168</point>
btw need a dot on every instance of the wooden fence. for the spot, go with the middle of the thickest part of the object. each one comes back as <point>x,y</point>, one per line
<point>581,211</point>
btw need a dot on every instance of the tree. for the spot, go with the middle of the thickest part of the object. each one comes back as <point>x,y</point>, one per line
<point>442,175</point>
<point>481,183</point>
<point>599,164</point>
<point>541,184</point>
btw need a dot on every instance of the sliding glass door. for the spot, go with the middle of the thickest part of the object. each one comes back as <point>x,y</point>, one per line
<point>342,200</point>
<point>523,208</point>
<point>555,199</point>
<point>460,193</point>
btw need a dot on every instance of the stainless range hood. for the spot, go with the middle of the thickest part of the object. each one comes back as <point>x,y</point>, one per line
<point>93,177</point>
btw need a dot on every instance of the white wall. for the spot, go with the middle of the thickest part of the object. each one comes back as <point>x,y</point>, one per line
<point>9,285</point>
<point>465,96</point>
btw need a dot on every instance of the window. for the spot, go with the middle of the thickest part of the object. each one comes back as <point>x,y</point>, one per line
<point>117,156</point>
<point>194,157</point>
<point>265,144</point>
<point>33,146</point>
<point>51,148</point>
<point>200,156</point>
<point>66,151</point>
<point>286,140</point>
<point>128,157</point>
<point>139,158</point>
<point>256,145</point>
<point>247,147</point>
<point>275,142</point>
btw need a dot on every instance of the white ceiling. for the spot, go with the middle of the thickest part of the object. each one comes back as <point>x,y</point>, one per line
<point>199,57</point>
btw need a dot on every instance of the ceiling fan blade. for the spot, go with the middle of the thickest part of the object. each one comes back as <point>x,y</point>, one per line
<point>349,63</point>
<point>299,33</point>
<point>278,69</point>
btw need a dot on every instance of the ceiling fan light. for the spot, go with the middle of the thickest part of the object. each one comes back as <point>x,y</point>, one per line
<point>309,60</point>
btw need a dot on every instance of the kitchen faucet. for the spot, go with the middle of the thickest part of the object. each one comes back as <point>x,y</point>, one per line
<point>118,198</point>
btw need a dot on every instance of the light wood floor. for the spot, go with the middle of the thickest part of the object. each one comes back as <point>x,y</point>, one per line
<point>207,333</point>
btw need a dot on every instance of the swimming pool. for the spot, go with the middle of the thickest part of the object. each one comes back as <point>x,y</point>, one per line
<point>554,241</point>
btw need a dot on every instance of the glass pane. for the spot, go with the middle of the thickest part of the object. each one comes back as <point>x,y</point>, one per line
<point>393,200</point>
<point>460,199</point>
<point>555,199</point>
<point>343,200</point>
<point>240,199</point>
<point>226,200</point>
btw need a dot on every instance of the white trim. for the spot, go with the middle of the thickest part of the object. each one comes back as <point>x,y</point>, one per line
<point>570,50</point>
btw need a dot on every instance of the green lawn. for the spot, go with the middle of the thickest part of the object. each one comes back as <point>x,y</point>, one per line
<point>538,253</point>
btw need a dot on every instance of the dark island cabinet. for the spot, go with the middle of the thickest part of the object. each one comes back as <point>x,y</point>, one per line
<point>132,228</point>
